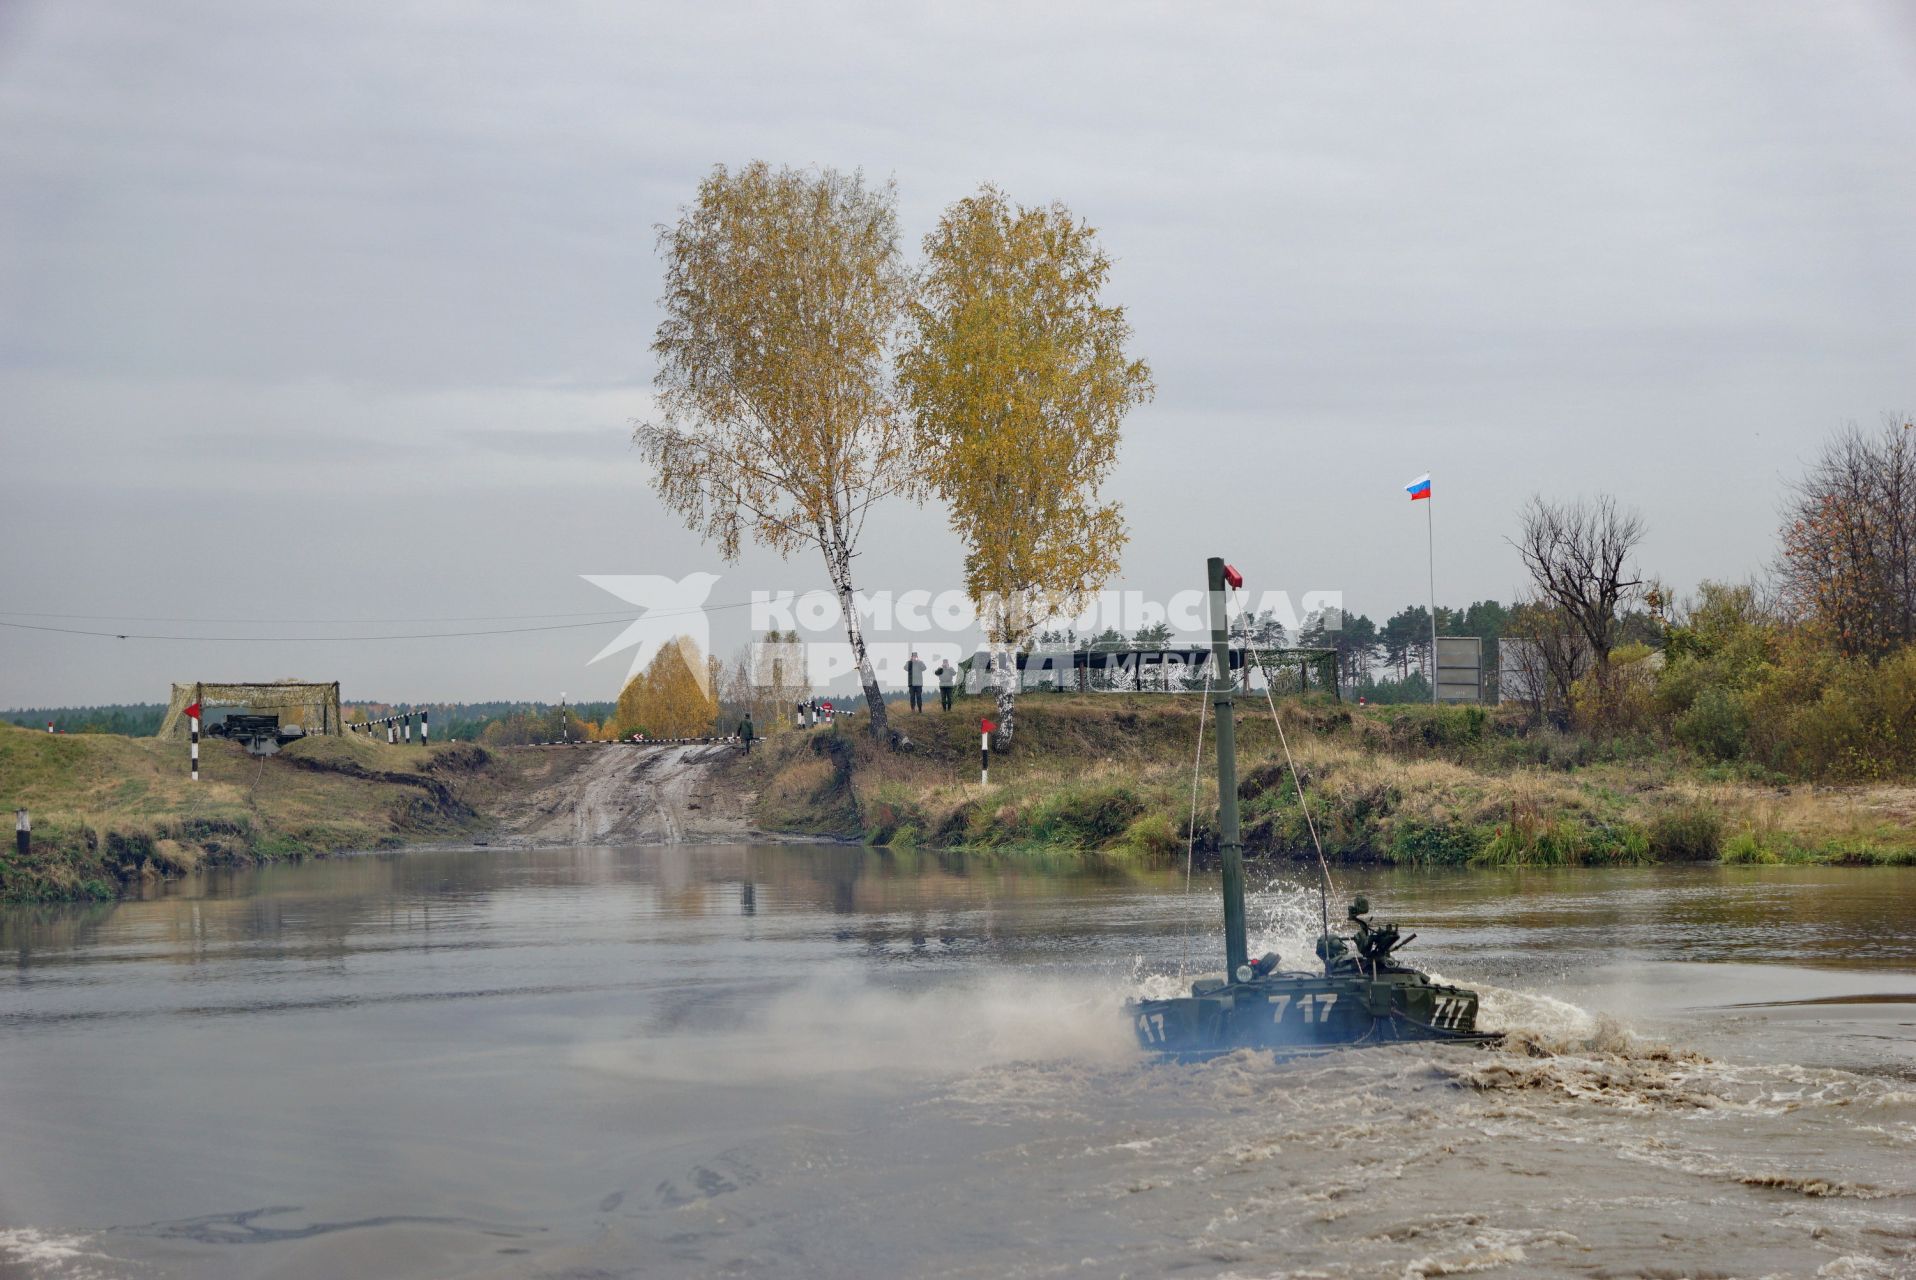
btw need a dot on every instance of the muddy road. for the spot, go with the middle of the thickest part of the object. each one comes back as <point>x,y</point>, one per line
<point>628,793</point>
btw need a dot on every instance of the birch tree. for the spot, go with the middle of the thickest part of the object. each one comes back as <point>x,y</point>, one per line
<point>1018,383</point>
<point>777,422</point>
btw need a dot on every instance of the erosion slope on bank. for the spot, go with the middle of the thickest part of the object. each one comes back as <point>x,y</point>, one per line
<point>1113,773</point>
<point>625,793</point>
<point>108,810</point>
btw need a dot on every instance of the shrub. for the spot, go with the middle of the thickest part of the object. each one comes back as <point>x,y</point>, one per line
<point>1427,726</point>
<point>1619,844</point>
<point>1691,834</point>
<point>1618,698</point>
<point>1151,837</point>
<point>1435,844</point>
<point>1716,726</point>
<point>893,819</point>
<point>1085,818</point>
<point>1744,847</point>
<point>1555,750</point>
<point>1526,840</point>
<point>955,827</point>
<point>1860,724</point>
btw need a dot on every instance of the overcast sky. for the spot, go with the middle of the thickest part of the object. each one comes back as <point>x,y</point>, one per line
<point>341,311</point>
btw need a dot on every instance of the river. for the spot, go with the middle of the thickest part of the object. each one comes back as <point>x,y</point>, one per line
<point>834,1062</point>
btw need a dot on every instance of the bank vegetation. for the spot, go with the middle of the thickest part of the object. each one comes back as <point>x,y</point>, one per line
<point>1122,777</point>
<point>111,813</point>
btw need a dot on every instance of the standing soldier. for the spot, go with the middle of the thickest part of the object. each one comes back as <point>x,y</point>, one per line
<point>947,677</point>
<point>915,682</point>
<point>745,732</point>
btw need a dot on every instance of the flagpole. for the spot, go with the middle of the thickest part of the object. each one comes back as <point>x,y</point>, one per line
<point>1430,544</point>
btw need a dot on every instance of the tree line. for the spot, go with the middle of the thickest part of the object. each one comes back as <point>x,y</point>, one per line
<point>134,719</point>
<point>1808,669</point>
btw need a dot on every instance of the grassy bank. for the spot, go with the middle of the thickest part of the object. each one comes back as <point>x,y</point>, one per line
<point>111,810</point>
<point>1112,774</point>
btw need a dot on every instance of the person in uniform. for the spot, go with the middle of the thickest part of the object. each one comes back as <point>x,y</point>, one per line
<point>915,682</point>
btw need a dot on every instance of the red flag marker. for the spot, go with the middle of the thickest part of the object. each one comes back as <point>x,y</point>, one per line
<point>1232,576</point>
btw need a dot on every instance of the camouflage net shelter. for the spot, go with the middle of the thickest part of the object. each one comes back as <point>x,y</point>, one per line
<point>313,707</point>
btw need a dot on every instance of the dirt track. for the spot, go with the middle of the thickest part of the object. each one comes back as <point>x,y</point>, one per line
<point>622,793</point>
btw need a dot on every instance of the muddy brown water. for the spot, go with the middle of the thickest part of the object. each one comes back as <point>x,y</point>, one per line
<point>820,1061</point>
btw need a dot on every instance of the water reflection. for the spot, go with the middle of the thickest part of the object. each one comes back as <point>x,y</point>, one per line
<point>717,1059</point>
<point>326,910</point>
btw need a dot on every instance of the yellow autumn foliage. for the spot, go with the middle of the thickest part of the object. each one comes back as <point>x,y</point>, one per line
<point>669,699</point>
<point>1017,383</point>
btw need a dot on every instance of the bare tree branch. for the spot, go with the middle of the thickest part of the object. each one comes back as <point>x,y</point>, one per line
<point>1579,558</point>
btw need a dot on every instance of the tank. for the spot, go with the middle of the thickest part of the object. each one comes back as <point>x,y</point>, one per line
<point>1354,992</point>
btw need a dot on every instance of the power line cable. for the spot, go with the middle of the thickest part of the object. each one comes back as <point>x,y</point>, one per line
<point>417,635</point>
<point>271,622</point>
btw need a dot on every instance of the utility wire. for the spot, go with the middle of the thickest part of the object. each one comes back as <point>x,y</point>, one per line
<point>272,622</point>
<point>1329,887</point>
<point>1190,831</point>
<point>416,635</point>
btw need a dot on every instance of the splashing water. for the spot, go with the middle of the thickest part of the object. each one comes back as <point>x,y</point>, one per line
<point>824,1028</point>
<point>1289,918</point>
<point>1281,917</point>
<point>43,1253</point>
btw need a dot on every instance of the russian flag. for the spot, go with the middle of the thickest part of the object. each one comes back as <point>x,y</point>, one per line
<point>1419,488</point>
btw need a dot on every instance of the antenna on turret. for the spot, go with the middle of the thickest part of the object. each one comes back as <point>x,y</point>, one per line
<point>1230,845</point>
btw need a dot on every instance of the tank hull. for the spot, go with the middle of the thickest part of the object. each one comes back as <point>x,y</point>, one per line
<point>1294,1014</point>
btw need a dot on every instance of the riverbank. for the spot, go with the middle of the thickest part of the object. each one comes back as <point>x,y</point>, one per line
<point>1112,775</point>
<point>1107,777</point>
<point>111,811</point>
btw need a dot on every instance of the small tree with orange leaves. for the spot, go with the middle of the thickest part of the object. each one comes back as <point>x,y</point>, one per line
<point>1848,563</point>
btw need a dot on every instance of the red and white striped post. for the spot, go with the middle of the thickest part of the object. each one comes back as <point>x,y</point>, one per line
<point>193,735</point>
<point>985,728</point>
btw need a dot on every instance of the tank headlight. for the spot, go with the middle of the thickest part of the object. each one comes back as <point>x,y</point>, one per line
<point>1245,973</point>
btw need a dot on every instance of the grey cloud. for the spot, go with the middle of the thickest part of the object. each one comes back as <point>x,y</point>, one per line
<point>580,443</point>
<point>401,259</point>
